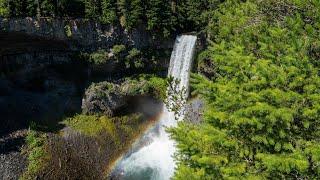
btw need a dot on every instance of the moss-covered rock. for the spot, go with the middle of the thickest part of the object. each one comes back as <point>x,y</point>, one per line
<point>103,98</point>
<point>108,98</point>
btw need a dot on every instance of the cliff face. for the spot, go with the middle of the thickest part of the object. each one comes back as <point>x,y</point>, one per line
<point>26,41</point>
<point>83,34</point>
<point>40,76</point>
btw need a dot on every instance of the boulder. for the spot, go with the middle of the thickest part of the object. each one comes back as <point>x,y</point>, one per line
<point>103,98</point>
<point>108,98</point>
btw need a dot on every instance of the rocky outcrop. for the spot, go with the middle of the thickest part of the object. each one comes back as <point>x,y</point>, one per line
<point>41,80</point>
<point>108,98</point>
<point>83,34</point>
<point>105,98</point>
<point>41,75</point>
<point>194,111</point>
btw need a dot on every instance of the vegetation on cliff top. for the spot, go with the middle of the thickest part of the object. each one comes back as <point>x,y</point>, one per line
<point>158,16</point>
<point>262,109</point>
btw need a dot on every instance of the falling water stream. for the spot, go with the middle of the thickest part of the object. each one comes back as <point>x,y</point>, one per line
<point>151,156</point>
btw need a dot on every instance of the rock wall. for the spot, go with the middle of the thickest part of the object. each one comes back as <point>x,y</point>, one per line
<point>41,76</point>
<point>83,34</point>
<point>42,79</point>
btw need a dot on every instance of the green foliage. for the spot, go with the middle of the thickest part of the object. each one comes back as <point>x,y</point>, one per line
<point>118,128</point>
<point>43,8</point>
<point>37,154</point>
<point>47,8</point>
<point>33,7</point>
<point>17,8</point>
<point>70,8</point>
<point>159,86</point>
<point>119,52</point>
<point>39,7</point>
<point>146,85</point>
<point>91,125</point>
<point>92,9</point>
<point>131,60</point>
<point>110,138</point>
<point>4,9</point>
<point>109,14</point>
<point>160,17</point>
<point>99,57</point>
<point>118,49</point>
<point>131,12</point>
<point>195,14</point>
<point>134,58</point>
<point>68,30</point>
<point>262,107</point>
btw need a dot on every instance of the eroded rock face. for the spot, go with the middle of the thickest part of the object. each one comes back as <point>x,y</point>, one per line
<point>108,98</point>
<point>83,33</point>
<point>103,98</point>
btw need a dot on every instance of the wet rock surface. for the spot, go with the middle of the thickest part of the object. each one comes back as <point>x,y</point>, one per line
<point>194,111</point>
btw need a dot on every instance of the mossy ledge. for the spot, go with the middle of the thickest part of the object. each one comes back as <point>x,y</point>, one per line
<point>89,144</point>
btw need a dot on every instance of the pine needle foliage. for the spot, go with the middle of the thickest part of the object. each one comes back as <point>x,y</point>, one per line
<point>262,116</point>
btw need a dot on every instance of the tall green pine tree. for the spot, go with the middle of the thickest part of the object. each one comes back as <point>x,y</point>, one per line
<point>262,114</point>
<point>109,14</point>
<point>92,9</point>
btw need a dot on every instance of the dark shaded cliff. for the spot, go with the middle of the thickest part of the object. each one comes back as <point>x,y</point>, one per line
<point>42,77</point>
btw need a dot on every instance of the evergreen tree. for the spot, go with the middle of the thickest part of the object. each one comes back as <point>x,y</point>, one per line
<point>4,8</point>
<point>262,115</point>
<point>123,11</point>
<point>196,12</point>
<point>47,8</point>
<point>92,9</point>
<point>17,8</point>
<point>136,13</point>
<point>160,16</point>
<point>109,14</point>
<point>131,12</point>
<point>33,7</point>
<point>80,8</point>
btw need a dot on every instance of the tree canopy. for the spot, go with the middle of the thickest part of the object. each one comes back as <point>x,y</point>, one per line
<point>158,16</point>
<point>262,111</point>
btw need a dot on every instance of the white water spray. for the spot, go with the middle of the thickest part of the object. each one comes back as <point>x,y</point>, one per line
<point>154,160</point>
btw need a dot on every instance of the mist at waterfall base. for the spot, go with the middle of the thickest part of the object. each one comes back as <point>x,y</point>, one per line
<point>151,157</point>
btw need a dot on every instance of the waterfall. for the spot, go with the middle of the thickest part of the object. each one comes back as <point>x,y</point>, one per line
<point>154,159</point>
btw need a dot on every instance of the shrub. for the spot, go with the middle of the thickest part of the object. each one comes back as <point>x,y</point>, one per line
<point>4,9</point>
<point>99,57</point>
<point>91,125</point>
<point>134,57</point>
<point>37,154</point>
<point>118,49</point>
<point>68,31</point>
<point>146,85</point>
